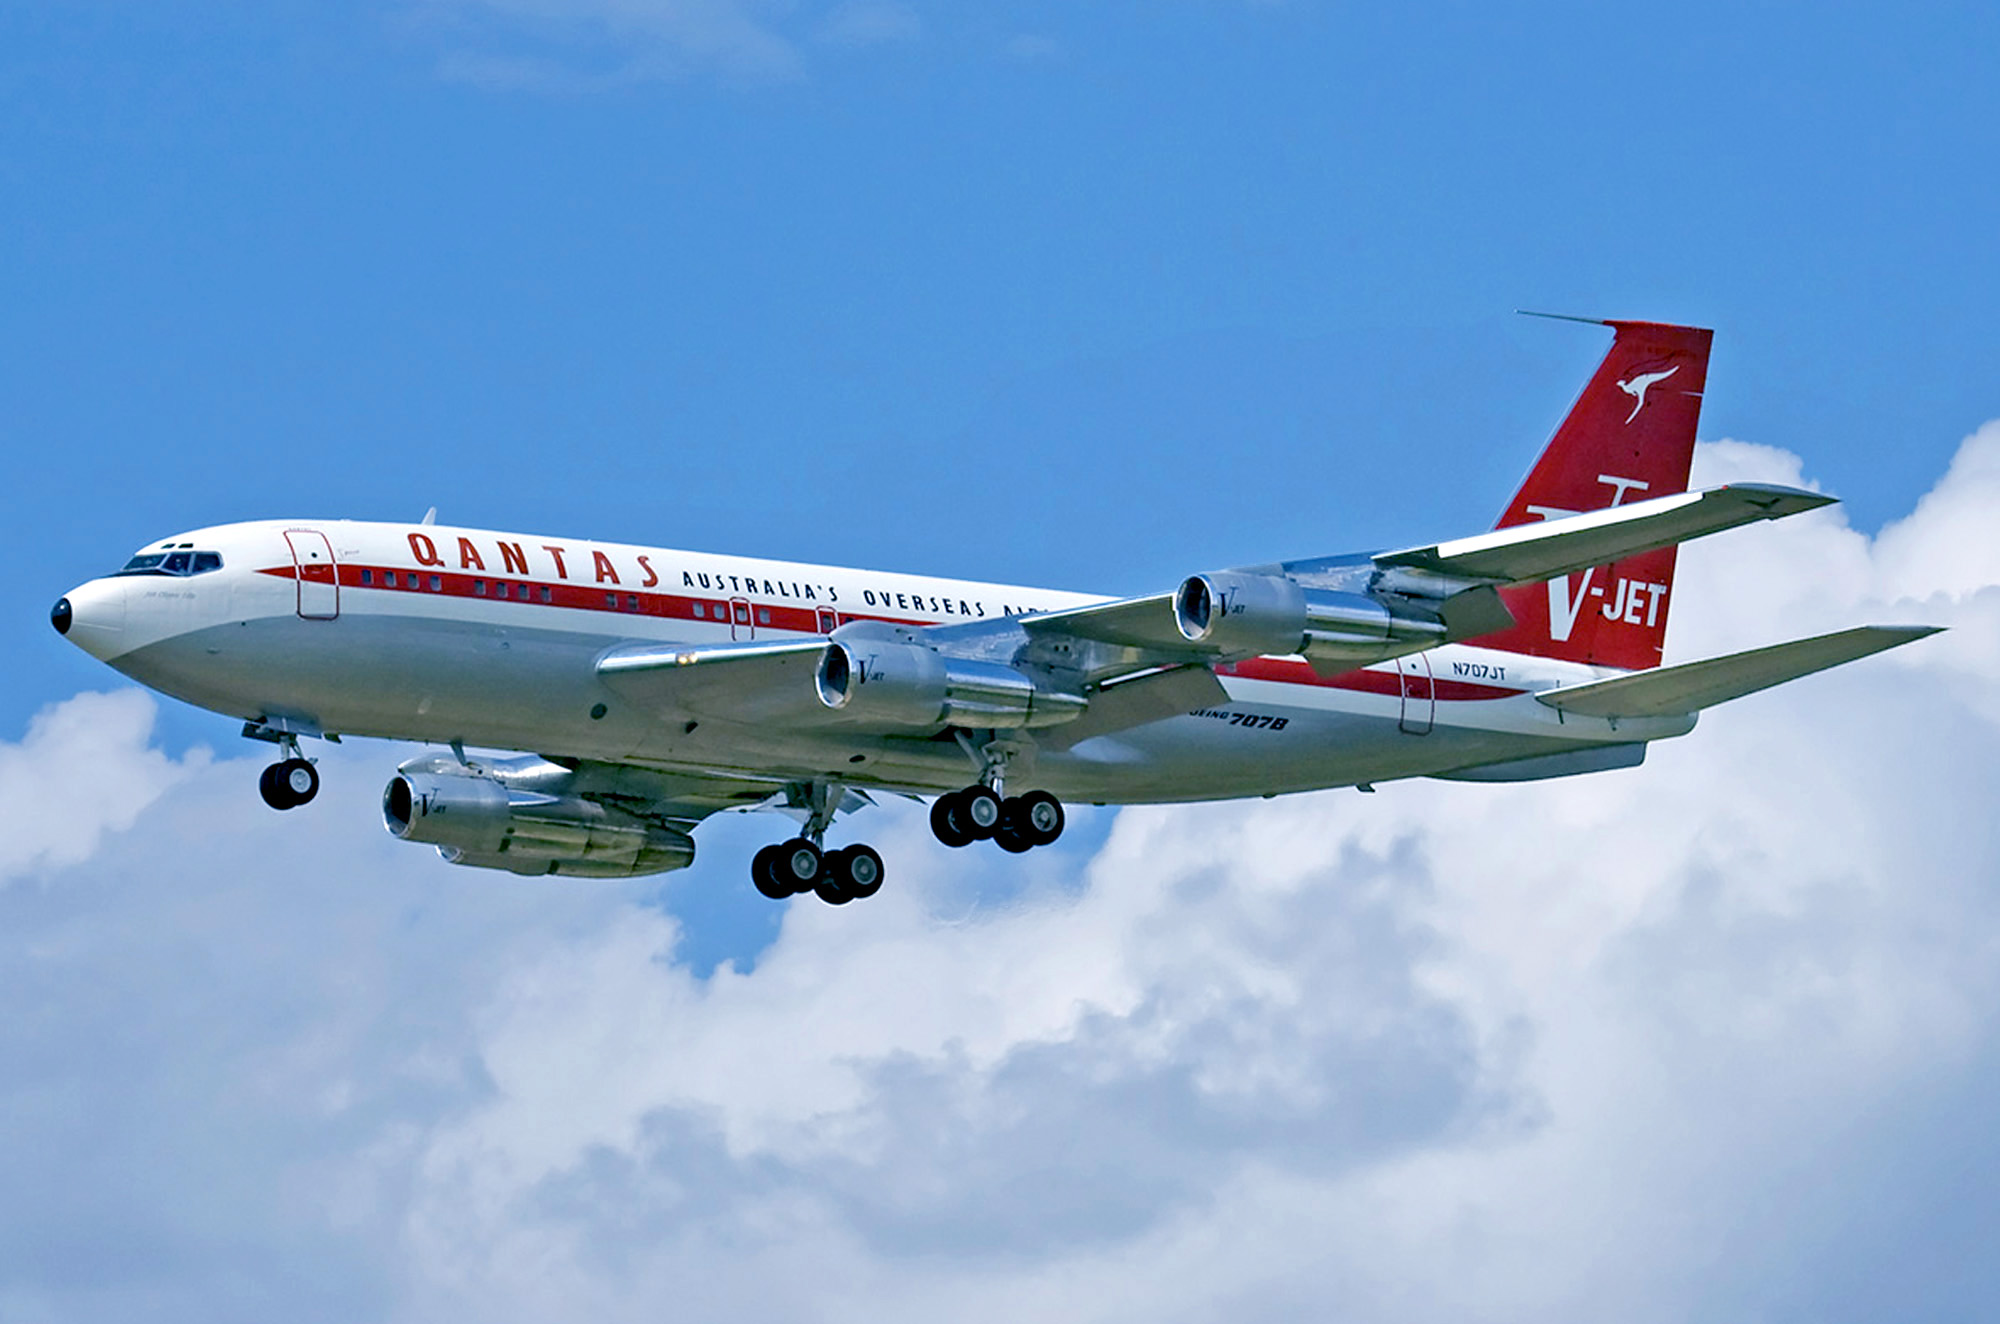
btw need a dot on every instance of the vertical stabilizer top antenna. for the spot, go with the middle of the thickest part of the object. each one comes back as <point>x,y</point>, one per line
<point>1561,317</point>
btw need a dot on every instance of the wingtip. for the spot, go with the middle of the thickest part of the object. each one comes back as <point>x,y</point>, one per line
<point>1777,500</point>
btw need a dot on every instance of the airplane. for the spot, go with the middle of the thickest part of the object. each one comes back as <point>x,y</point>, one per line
<point>643,690</point>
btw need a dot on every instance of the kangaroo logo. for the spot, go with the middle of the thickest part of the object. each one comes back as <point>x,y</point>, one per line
<point>1640,384</point>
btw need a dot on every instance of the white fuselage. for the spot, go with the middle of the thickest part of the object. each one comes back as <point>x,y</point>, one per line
<point>420,632</point>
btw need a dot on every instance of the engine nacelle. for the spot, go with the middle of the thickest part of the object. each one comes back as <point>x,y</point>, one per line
<point>1247,615</point>
<point>478,820</point>
<point>898,684</point>
<point>1244,614</point>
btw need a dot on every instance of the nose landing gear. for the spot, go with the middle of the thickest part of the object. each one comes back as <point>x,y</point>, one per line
<point>289,784</point>
<point>293,780</point>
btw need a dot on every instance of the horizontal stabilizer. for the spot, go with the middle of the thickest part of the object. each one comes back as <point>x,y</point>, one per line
<point>1530,553</point>
<point>1693,686</point>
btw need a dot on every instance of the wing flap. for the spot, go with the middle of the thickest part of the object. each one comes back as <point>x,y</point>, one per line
<point>1530,553</point>
<point>1693,686</point>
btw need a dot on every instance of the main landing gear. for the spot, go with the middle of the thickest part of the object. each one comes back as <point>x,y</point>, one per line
<point>1015,824</point>
<point>803,864</point>
<point>834,876</point>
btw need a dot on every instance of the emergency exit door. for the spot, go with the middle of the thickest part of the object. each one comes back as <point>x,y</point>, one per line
<point>1419,694</point>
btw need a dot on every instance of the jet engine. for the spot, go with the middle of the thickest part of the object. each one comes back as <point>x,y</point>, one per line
<point>1249,615</point>
<point>478,819</point>
<point>901,684</point>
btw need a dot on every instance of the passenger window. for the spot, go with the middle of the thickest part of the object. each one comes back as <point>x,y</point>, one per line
<point>631,602</point>
<point>367,576</point>
<point>436,583</point>
<point>548,594</point>
<point>611,601</point>
<point>479,587</point>
<point>763,615</point>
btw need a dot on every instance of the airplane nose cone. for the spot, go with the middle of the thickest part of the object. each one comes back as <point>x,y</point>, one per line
<point>92,616</point>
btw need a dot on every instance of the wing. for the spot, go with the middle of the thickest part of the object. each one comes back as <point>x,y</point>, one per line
<point>1116,664</point>
<point>1350,611</point>
<point>1531,553</point>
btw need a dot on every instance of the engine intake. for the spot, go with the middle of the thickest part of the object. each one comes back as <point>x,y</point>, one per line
<point>477,820</point>
<point>898,684</point>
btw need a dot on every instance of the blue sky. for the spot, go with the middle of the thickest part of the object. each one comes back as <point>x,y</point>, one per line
<point>1089,295</point>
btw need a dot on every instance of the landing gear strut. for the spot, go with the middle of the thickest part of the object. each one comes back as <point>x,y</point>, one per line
<point>803,864</point>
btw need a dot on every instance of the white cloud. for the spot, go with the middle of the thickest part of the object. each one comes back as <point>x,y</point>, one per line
<point>1715,1037</point>
<point>84,769</point>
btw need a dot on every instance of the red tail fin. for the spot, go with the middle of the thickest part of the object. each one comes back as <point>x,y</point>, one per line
<point>1629,436</point>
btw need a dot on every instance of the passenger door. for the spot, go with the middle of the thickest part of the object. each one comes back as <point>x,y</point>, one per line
<point>318,575</point>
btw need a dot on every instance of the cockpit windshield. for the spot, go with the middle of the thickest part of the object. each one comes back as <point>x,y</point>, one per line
<point>182,561</point>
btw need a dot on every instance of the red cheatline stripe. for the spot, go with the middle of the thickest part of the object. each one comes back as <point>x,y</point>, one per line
<point>805,620</point>
<point>1288,672</point>
<point>583,597</point>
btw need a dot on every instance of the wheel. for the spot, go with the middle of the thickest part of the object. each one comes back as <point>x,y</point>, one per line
<point>978,811</point>
<point>301,779</point>
<point>944,824</point>
<point>764,873</point>
<point>830,891</point>
<point>289,784</point>
<point>1011,839</point>
<point>799,865</point>
<point>857,870</point>
<point>1036,816</point>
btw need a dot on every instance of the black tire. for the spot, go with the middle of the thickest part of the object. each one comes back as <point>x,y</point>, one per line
<point>799,865</point>
<point>764,873</point>
<point>858,871</point>
<point>978,811</point>
<point>1037,816</point>
<point>943,825</point>
<point>830,891</point>
<point>289,784</point>
<point>1010,839</point>
<point>273,790</point>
